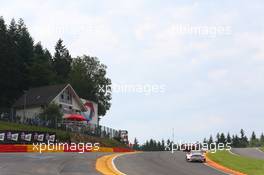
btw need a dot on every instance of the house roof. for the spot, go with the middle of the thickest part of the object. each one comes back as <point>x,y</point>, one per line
<point>39,96</point>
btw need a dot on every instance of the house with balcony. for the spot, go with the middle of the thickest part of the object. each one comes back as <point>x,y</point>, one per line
<point>33,101</point>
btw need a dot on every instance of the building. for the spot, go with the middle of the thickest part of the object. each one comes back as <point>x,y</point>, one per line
<point>32,103</point>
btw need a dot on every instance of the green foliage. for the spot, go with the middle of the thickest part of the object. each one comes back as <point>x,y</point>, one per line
<point>261,139</point>
<point>239,142</point>
<point>135,144</point>
<point>62,61</point>
<point>87,76</point>
<point>24,65</point>
<point>40,71</point>
<point>210,139</point>
<point>243,139</point>
<point>10,68</point>
<point>222,138</point>
<point>254,141</point>
<point>242,164</point>
<point>153,145</point>
<point>52,114</point>
<point>228,138</point>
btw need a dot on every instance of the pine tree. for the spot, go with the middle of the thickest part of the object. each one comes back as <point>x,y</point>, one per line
<point>217,138</point>
<point>158,148</point>
<point>222,138</point>
<point>253,140</point>
<point>205,141</point>
<point>243,139</point>
<point>62,61</point>
<point>40,71</point>
<point>261,139</point>
<point>211,140</point>
<point>25,47</point>
<point>9,69</point>
<point>162,145</point>
<point>228,138</point>
<point>169,144</point>
<point>135,144</point>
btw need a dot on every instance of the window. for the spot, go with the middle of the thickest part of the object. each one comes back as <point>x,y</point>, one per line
<point>66,97</point>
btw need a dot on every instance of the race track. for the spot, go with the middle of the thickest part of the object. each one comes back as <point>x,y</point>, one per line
<point>161,163</point>
<point>249,152</point>
<point>48,163</point>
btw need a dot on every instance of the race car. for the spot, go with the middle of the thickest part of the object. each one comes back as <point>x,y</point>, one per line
<point>195,156</point>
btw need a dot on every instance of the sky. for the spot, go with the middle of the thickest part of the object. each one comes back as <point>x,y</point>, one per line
<point>195,67</point>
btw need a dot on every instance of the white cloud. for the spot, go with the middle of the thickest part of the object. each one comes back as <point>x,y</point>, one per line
<point>218,74</point>
<point>139,42</point>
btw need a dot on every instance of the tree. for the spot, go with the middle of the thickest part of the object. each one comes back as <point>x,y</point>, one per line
<point>228,138</point>
<point>88,78</point>
<point>24,64</point>
<point>158,147</point>
<point>235,141</point>
<point>9,69</point>
<point>261,140</point>
<point>40,71</point>
<point>25,47</point>
<point>217,138</point>
<point>169,144</point>
<point>62,61</point>
<point>16,52</point>
<point>205,141</point>
<point>253,140</point>
<point>136,145</point>
<point>52,115</point>
<point>162,145</point>
<point>210,141</point>
<point>222,138</point>
<point>243,139</point>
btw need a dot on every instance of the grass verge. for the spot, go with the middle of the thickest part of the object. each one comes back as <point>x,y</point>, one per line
<point>242,164</point>
<point>62,136</point>
<point>262,149</point>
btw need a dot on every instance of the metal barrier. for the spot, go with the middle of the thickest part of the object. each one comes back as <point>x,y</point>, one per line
<point>76,127</point>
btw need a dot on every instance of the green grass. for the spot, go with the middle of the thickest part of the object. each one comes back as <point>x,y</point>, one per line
<point>262,149</point>
<point>245,165</point>
<point>62,136</point>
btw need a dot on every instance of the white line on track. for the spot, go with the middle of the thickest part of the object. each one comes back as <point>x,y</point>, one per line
<point>259,150</point>
<point>233,153</point>
<point>113,163</point>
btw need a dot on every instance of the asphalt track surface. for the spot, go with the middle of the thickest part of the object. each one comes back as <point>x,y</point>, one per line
<point>249,152</point>
<point>161,163</point>
<point>48,163</point>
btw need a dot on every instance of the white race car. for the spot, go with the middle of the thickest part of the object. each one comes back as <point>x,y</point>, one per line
<point>195,156</point>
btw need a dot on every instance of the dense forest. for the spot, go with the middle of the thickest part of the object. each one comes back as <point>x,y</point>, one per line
<point>26,64</point>
<point>236,141</point>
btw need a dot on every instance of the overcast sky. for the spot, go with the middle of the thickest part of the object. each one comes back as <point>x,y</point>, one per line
<point>207,57</point>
